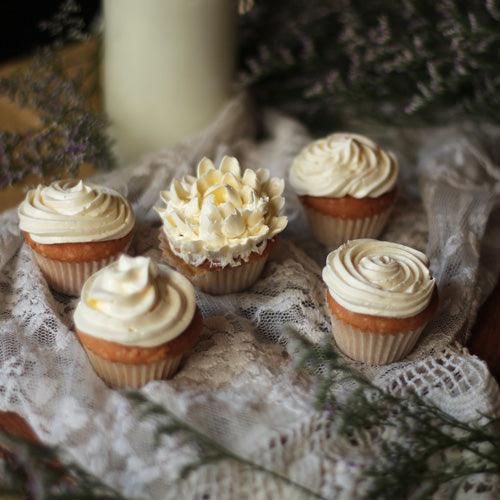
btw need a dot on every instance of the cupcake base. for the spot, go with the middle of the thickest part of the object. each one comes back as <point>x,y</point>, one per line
<point>123,366</point>
<point>128,376</point>
<point>69,277</point>
<point>377,340</point>
<point>334,221</point>
<point>230,279</point>
<point>371,347</point>
<point>66,266</point>
<point>218,280</point>
<point>333,231</point>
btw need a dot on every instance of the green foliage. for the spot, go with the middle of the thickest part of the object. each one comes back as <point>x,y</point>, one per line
<point>407,62</point>
<point>209,450</point>
<point>420,449</point>
<point>423,448</point>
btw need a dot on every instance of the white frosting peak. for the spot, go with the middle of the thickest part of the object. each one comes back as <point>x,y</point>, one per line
<point>344,164</point>
<point>222,215</point>
<point>72,211</point>
<point>134,302</point>
<point>379,278</point>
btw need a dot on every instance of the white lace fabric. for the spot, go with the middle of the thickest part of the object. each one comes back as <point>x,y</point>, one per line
<point>240,384</point>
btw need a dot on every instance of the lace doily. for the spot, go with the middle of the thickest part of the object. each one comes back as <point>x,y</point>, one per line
<point>240,385</point>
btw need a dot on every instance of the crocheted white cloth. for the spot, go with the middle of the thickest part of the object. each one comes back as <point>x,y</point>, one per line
<point>240,385</point>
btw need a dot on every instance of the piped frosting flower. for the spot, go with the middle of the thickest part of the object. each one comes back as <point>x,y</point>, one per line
<point>135,302</point>
<point>344,164</point>
<point>379,278</point>
<point>222,215</point>
<point>73,211</point>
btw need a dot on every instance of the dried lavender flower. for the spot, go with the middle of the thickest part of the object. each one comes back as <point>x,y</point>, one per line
<point>71,132</point>
<point>414,61</point>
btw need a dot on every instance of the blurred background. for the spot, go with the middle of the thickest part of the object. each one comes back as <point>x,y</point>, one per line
<point>20,20</point>
<point>160,72</point>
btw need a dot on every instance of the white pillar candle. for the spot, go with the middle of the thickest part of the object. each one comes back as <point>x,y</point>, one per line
<point>168,69</point>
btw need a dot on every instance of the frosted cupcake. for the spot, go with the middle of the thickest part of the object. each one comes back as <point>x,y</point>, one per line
<point>347,185</point>
<point>136,321</point>
<point>75,228</point>
<point>220,226</point>
<point>380,297</point>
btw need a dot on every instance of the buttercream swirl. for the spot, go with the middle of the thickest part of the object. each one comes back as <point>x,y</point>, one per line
<point>74,211</point>
<point>222,215</point>
<point>344,164</point>
<point>136,303</point>
<point>379,278</point>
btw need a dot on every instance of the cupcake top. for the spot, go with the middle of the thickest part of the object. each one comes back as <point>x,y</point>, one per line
<point>341,165</point>
<point>136,303</point>
<point>379,278</point>
<point>222,215</point>
<point>73,211</point>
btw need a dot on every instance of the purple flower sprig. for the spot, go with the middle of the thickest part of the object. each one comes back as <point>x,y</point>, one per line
<point>70,133</point>
<point>399,63</point>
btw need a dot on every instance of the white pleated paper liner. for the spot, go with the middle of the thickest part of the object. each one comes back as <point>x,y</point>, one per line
<point>221,281</point>
<point>133,376</point>
<point>333,231</point>
<point>69,277</point>
<point>371,347</point>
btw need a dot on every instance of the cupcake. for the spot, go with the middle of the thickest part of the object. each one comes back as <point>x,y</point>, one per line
<point>136,321</point>
<point>347,185</point>
<point>75,228</point>
<point>220,226</point>
<point>380,297</point>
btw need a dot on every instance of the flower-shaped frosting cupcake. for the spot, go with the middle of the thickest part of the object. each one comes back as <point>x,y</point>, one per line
<point>74,228</point>
<point>219,226</point>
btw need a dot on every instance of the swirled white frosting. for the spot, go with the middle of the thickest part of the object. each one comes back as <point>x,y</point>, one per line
<point>379,278</point>
<point>135,303</point>
<point>73,211</point>
<point>344,164</point>
<point>222,215</point>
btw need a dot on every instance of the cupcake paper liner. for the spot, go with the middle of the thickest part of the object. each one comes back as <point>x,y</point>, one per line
<point>69,277</point>
<point>222,281</point>
<point>230,279</point>
<point>370,347</point>
<point>333,231</point>
<point>133,376</point>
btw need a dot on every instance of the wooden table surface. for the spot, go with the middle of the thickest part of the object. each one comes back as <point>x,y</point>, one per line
<point>485,339</point>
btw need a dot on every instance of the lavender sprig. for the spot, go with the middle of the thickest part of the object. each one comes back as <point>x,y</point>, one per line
<point>70,131</point>
<point>408,62</point>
